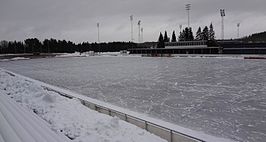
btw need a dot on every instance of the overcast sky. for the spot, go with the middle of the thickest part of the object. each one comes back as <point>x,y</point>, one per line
<point>76,20</point>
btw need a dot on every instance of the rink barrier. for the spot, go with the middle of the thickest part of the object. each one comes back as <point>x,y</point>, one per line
<point>161,131</point>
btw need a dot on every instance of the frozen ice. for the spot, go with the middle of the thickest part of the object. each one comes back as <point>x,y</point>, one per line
<point>220,96</point>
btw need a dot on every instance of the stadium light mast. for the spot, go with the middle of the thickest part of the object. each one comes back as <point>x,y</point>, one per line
<point>180,28</point>
<point>222,12</point>
<point>238,25</point>
<point>139,23</point>
<point>131,20</point>
<point>98,28</point>
<point>188,7</point>
<point>141,30</point>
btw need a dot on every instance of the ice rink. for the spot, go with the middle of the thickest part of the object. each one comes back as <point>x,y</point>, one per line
<point>221,96</point>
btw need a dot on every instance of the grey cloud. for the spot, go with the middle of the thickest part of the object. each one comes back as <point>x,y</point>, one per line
<point>76,19</point>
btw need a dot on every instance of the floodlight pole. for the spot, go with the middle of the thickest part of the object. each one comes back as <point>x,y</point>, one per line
<point>222,28</point>
<point>131,20</point>
<point>188,7</point>
<point>238,25</point>
<point>139,29</point>
<point>180,27</point>
<point>222,12</point>
<point>98,28</point>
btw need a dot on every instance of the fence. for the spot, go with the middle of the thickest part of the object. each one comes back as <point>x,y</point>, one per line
<point>163,132</point>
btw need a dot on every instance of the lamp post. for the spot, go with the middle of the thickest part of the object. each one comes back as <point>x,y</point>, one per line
<point>180,27</point>
<point>141,30</point>
<point>139,22</point>
<point>238,25</point>
<point>188,7</point>
<point>98,28</point>
<point>131,22</point>
<point>222,12</point>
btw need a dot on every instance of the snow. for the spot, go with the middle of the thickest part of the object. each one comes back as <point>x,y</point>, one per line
<point>20,125</point>
<point>75,54</point>
<point>15,59</point>
<point>89,53</point>
<point>23,125</point>
<point>224,97</point>
<point>218,56</point>
<point>209,56</point>
<point>102,54</point>
<point>69,116</point>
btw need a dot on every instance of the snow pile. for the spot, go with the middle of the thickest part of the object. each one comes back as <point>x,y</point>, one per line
<point>75,54</point>
<point>208,56</point>
<point>69,116</point>
<point>91,53</point>
<point>19,58</point>
<point>110,54</point>
<point>15,59</point>
<point>17,124</point>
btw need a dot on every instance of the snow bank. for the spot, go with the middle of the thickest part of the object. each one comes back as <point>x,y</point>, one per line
<point>20,125</point>
<point>89,53</point>
<point>76,54</point>
<point>15,59</point>
<point>104,54</point>
<point>69,116</point>
<point>221,56</point>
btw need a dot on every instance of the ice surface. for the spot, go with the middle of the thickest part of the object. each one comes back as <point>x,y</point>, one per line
<point>69,116</point>
<point>220,96</point>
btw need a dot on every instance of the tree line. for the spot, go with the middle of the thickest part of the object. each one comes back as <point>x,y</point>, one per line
<point>207,34</point>
<point>257,37</point>
<point>34,45</point>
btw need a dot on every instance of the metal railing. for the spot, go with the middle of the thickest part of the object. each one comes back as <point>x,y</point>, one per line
<point>161,131</point>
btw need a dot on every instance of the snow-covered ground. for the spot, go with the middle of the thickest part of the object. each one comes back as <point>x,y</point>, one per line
<point>221,96</point>
<point>69,116</point>
<point>14,59</point>
<point>91,53</point>
<point>17,124</point>
<point>76,54</point>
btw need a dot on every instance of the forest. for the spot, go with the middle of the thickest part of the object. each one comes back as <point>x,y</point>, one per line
<point>34,45</point>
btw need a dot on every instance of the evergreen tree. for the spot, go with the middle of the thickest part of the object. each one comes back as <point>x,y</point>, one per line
<point>160,37</point>
<point>160,41</point>
<point>186,34</point>
<point>211,33</point>
<point>257,37</point>
<point>173,37</point>
<point>34,44</point>
<point>205,33</point>
<point>190,35</point>
<point>182,36</point>
<point>166,38</point>
<point>46,45</point>
<point>199,34</point>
